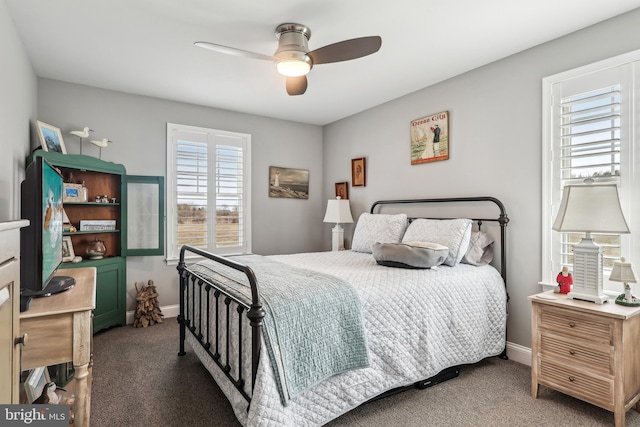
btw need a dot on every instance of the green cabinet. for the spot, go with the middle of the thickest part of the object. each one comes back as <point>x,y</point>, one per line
<point>97,208</point>
<point>111,288</point>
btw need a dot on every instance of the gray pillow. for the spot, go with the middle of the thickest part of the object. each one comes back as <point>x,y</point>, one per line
<point>480,250</point>
<point>410,254</point>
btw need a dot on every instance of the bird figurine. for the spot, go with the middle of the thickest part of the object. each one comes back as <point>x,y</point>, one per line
<point>48,395</point>
<point>84,133</point>
<point>102,143</point>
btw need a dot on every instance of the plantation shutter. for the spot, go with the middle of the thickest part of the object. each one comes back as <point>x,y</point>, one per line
<point>590,148</point>
<point>192,200</point>
<point>210,190</point>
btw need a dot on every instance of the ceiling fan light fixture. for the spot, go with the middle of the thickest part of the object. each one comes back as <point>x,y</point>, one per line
<point>293,64</point>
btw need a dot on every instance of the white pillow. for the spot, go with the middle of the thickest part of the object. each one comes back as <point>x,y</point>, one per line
<point>372,228</point>
<point>452,233</point>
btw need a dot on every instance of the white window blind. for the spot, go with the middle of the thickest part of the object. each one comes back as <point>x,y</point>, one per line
<point>210,192</point>
<point>588,124</point>
<point>589,147</point>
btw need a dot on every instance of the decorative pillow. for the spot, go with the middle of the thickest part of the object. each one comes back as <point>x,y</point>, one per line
<point>410,254</point>
<point>452,233</point>
<point>372,228</point>
<point>480,250</point>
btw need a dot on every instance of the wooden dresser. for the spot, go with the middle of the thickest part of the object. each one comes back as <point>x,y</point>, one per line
<point>9,310</point>
<point>586,350</point>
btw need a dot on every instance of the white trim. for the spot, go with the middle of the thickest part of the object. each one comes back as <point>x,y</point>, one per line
<point>519,353</point>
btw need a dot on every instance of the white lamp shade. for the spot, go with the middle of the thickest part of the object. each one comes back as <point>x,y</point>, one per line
<point>338,211</point>
<point>591,208</point>
<point>622,272</point>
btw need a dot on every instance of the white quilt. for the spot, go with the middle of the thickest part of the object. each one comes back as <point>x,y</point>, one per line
<point>417,322</point>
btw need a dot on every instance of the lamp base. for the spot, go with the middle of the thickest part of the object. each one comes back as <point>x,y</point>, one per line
<point>633,302</point>
<point>598,299</point>
<point>337,238</point>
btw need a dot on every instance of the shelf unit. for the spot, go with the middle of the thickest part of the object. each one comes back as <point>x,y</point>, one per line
<point>146,212</point>
<point>100,178</point>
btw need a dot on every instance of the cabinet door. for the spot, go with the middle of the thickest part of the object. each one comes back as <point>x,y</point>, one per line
<point>110,295</point>
<point>144,213</point>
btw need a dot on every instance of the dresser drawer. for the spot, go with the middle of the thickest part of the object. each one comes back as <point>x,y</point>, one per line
<point>595,358</point>
<point>583,385</point>
<point>567,322</point>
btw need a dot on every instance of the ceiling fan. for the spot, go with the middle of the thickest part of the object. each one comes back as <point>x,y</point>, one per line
<point>293,58</point>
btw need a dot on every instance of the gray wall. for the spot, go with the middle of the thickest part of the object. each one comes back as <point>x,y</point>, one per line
<point>495,145</point>
<point>137,127</point>
<point>17,110</point>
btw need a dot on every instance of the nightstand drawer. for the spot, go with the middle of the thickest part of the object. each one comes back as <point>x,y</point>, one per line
<point>595,358</point>
<point>569,322</point>
<point>591,388</point>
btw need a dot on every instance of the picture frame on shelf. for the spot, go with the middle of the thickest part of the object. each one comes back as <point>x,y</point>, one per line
<point>358,172</point>
<point>68,253</point>
<point>50,138</point>
<point>73,193</point>
<point>342,190</point>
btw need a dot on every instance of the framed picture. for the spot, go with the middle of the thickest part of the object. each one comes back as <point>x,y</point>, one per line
<point>51,138</point>
<point>358,172</point>
<point>67,249</point>
<point>73,193</point>
<point>288,183</point>
<point>342,190</point>
<point>430,138</point>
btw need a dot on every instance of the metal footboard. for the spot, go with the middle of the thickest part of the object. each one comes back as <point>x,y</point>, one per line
<point>196,317</point>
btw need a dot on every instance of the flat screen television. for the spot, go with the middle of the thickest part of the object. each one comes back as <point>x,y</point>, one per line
<point>41,241</point>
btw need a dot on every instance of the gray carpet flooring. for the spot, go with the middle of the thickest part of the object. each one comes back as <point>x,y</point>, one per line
<point>138,380</point>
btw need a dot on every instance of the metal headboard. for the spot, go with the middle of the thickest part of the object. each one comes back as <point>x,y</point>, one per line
<point>502,219</point>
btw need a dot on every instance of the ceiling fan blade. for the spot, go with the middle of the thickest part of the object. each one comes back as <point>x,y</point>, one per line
<point>346,50</point>
<point>296,85</point>
<point>232,51</point>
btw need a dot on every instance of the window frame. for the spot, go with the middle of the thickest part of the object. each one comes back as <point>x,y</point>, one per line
<point>172,248</point>
<point>628,67</point>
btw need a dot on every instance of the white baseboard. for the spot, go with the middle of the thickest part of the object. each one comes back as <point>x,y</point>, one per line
<point>168,311</point>
<point>519,353</point>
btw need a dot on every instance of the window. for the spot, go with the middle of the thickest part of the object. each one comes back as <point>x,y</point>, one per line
<point>208,190</point>
<point>588,122</point>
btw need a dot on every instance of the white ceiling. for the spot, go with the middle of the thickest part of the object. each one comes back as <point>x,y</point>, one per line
<point>146,46</point>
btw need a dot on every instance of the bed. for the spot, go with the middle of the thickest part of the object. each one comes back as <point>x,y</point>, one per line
<point>301,339</point>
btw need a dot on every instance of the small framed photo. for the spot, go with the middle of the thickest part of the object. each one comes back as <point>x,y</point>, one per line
<point>67,249</point>
<point>342,190</point>
<point>358,172</point>
<point>50,138</point>
<point>73,193</point>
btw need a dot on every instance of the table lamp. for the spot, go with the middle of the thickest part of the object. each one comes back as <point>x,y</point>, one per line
<point>622,272</point>
<point>338,211</point>
<point>593,208</point>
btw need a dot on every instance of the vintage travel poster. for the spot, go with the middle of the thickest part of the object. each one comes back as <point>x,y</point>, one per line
<point>430,138</point>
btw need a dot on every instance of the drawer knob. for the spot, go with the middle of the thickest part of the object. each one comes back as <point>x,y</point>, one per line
<point>571,378</point>
<point>572,325</point>
<point>21,340</point>
<point>572,352</point>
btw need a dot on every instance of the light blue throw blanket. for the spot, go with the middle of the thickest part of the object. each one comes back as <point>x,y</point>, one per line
<point>313,325</point>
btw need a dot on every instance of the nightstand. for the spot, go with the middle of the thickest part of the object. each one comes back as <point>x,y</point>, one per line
<point>586,350</point>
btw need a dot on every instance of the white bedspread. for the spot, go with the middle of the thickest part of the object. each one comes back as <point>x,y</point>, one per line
<point>417,322</point>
